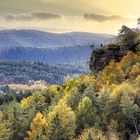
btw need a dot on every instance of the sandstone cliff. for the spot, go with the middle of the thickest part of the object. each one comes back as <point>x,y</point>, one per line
<point>101,57</point>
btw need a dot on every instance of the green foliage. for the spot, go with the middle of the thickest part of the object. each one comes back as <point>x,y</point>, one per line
<point>37,100</point>
<point>130,110</point>
<point>106,106</point>
<point>61,123</point>
<point>86,114</point>
<point>128,107</point>
<point>21,72</point>
<point>4,130</point>
<point>74,98</point>
<point>82,108</point>
<point>16,120</point>
<point>126,36</point>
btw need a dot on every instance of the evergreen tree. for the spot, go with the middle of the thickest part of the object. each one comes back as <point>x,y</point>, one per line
<point>85,114</point>
<point>130,110</point>
<point>61,123</point>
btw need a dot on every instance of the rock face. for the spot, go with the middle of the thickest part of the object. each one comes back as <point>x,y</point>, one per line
<point>101,57</point>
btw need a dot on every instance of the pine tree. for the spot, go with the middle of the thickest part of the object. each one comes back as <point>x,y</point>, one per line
<point>85,114</point>
<point>61,123</point>
<point>130,110</point>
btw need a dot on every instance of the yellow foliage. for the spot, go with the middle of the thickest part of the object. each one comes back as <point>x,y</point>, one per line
<point>62,109</point>
<point>53,89</point>
<point>94,133</point>
<point>135,70</point>
<point>88,79</point>
<point>36,126</point>
<point>112,126</point>
<point>127,60</point>
<point>121,89</point>
<point>138,80</point>
<point>1,122</point>
<point>71,83</point>
<point>65,96</point>
<point>26,101</point>
<point>3,127</point>
<point>112,73</point>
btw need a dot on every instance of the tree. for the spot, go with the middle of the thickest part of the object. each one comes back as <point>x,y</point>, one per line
<point>16,120</point>
<point>74,98</point>
<point>112,73</point>
<point>89,137</point>
<point>5,131</point>
<point>130,110</point>
<point>26,101</point>
<point>126,36</point>
<point>36,128</point>
<point>85,114</point>
<point>61,123</point>
<point>56,129</point>
<point>135,70</point>
<point>37,100</point>
<point>103,110</point>
<point>127,61</point>
<point>120,90</point>
<point>91,134</point>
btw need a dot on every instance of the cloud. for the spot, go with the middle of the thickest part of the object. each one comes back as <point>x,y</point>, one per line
<point>23,17</point>
<point>42,15</point>
<point>102,18</point>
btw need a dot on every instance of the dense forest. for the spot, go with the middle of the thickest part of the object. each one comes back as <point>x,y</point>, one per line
<point>101,106</point>
<point>23,71</point>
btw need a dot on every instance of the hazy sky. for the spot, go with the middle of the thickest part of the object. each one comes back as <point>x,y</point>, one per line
<point>100,16</point>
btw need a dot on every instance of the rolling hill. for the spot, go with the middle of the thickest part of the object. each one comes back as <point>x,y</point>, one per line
<point>61,54</point>
<point>62,48</point>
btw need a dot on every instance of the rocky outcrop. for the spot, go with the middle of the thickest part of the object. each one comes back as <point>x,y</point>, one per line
<point>101,57</point>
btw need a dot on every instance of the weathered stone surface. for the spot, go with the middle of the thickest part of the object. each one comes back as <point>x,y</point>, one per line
<point>101,57</point>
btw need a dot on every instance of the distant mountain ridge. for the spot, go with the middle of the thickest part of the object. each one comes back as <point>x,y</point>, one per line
<point>53,48</point>
<point>71,50</point>
<point>39,39</point>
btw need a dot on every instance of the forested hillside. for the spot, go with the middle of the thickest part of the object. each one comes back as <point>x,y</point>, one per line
<point>72,50</point>
<point>23,71</point>
<point>103,106</point>
<point>54,48</point>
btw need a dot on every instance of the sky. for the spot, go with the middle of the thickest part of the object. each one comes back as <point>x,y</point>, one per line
<point>98,16</point>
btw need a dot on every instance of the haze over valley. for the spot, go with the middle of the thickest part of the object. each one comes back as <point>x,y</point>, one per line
<point>68,49</point>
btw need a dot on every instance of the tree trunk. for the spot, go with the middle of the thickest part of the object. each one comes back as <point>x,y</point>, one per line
<point>135,125</point>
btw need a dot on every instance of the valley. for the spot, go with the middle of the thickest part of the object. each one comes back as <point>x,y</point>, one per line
<point>70,51</point>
